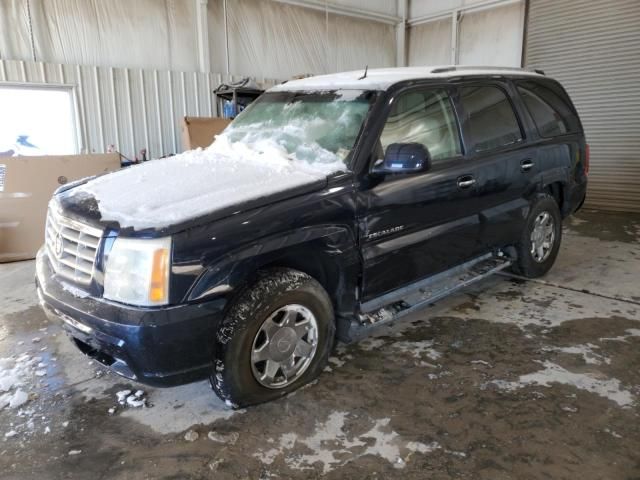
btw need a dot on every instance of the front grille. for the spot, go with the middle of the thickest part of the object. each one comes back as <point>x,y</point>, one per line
<point>72,247</point>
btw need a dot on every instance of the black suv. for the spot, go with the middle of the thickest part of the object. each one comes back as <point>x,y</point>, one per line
<point>330,206</point>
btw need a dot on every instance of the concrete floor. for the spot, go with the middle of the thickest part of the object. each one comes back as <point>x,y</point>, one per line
<point>508,379</point>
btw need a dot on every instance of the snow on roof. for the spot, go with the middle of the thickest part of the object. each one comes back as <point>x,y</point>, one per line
<point>383,78</point>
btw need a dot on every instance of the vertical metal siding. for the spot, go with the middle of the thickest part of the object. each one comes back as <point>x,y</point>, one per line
<point>593,49</point>
<point>131,109</point>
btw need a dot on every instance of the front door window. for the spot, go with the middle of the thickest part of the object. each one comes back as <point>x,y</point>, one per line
<point>425,117</point>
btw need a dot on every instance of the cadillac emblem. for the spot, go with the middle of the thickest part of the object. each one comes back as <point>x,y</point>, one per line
<point>58,245</point>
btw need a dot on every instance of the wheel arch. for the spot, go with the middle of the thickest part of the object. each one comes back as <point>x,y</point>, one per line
<point>557,191</point>
<point>328,254</point>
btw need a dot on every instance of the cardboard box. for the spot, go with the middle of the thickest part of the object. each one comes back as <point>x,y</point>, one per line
<point>200,131</point>
<point>26,186</point>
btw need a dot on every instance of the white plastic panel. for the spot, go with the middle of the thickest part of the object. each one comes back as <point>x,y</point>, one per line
<point>123,33</point>
<point>492,37</point>
<point>267,38</point>
<point>430,43</point>
<point>276,40</point>
<point>420,8</point>
<point>386,7</point>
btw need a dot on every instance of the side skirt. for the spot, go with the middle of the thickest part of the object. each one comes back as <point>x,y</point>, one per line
<point>399,303</point>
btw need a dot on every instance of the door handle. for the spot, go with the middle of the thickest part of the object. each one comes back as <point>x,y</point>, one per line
<point>466,181</point>
<point>526,164</point>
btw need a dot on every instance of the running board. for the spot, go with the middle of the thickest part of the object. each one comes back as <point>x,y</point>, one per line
<point>399,303</point>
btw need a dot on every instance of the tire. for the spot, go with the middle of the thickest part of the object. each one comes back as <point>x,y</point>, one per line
<point>530,264</point>
<point>259,322</point>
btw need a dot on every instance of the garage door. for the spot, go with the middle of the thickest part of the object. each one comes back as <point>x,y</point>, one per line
<point>593,49</point>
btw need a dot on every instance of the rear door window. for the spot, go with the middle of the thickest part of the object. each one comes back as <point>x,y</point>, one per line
<point>490,118</point>
<point>550,109</point>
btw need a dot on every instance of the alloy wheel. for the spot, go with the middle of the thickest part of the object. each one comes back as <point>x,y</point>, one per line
<point>284,346</point>
<point>543,236</point>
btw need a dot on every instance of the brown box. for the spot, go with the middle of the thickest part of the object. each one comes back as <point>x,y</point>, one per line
<point>200,131</point>
<point>26,186</point>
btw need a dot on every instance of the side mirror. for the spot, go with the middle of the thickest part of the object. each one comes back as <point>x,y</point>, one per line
<point>404,158</point>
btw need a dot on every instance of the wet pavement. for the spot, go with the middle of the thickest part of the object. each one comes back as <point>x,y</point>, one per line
<point>509,379</point>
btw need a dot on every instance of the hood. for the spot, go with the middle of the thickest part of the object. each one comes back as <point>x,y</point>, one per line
<point>224,178</point>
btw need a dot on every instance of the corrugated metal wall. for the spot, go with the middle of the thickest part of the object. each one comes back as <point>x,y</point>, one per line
<point>593,48</point>
<point>129,108</point>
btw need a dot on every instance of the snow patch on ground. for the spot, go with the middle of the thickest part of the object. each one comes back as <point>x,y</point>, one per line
<point>191,436</point>
<point>613,433</point>
<point>337,362</point>
<point>330,446</point>
<point>20,375</point>
<point>418,349</point>
<point>586,351</point>
<point>554,374</point>
<point>536,305</point>
<point>174,410</point>
<point>630,332</point>
<point>370,344</point>
<point>177,409</point>
<point>227,438</point>
<point>172,190</point>
<point>131,399</point>
<point>481,362</point>
<point>575,221</point>
<point>16,374</point>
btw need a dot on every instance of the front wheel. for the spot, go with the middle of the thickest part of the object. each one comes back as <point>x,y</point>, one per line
<point>276,337</point>
<point>540,240</point>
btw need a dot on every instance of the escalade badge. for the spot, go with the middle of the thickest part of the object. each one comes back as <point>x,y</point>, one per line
<point>58,245</point>
<point>381,233</point>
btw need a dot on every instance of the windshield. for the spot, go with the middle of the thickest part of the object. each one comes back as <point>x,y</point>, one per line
<point>318,128</point>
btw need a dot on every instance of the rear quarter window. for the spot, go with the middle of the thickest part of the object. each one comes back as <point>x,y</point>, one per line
<point>550,108</point>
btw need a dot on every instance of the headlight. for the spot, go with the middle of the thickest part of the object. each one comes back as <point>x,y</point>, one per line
<point>137,271</point>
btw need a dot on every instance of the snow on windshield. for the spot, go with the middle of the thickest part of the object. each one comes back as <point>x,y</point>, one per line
<point>268,149</point>
<point>318,128</point>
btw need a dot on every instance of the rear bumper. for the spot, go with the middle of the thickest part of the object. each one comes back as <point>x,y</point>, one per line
<point>156,346</point>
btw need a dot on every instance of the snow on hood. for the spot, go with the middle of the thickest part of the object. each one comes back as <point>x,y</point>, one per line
<point>168,191</point>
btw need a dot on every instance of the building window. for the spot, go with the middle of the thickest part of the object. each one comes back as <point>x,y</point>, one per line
<point>37,120</point>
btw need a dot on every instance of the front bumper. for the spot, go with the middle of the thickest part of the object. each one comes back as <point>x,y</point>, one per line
<point>162,346</point>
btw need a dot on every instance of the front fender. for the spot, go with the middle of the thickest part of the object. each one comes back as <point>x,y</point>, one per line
<point>329,251</point>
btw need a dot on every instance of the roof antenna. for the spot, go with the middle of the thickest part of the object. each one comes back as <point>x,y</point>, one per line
<point>365,72</point>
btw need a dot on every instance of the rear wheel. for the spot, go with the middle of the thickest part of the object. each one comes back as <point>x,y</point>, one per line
<point>276,337</point>
<point>540,240</point>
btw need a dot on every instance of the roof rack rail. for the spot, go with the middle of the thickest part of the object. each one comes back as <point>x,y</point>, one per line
<point>457,68</point>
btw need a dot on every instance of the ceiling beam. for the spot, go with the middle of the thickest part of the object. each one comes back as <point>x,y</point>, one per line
<point>202,29</point>
<point>343,10</point>
<point>401,33</point>
<point>446,14</point>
